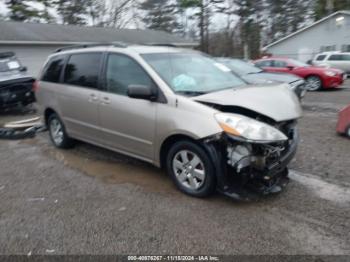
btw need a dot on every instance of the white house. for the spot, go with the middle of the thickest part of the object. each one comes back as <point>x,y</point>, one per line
<point>331,33</point>
<point>33,42</point>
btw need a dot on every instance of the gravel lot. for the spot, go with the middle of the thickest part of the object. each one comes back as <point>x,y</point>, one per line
<point>92,201</point>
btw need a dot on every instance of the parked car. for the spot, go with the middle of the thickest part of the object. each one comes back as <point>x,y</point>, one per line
<point>343,126</point>
<point>255,75</point>
<point>15,84</point>
<point>177,109</point>
<point>316,77</point>
<point>333,59</point>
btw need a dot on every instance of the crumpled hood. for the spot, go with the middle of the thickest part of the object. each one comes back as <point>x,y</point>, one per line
<point>274,101</point>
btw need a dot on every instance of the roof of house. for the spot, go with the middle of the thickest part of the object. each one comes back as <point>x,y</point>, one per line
<point>37,33</point>
<point>308,27</point>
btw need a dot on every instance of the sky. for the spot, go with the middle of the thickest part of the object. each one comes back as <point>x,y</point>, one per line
<point>219,20</point>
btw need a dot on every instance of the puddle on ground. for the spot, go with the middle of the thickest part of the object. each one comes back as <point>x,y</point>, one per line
<point>121,171</point>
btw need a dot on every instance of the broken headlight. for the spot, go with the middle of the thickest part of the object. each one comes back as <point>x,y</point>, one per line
<point>248,129</point>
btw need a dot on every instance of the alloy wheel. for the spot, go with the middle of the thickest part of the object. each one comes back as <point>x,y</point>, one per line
<point>189,169</point>
<point>56,130</point>
<point>313,83</point>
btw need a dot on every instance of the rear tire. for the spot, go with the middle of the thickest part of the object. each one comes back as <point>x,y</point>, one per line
<point>58,132</point>
<point>347,132</point>
<point>191,169</point>
<point>313,83</point>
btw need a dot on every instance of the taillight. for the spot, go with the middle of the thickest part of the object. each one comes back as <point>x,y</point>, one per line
<point>35,85</point>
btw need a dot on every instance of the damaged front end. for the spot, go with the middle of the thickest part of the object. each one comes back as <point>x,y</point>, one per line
<point>249,169</point>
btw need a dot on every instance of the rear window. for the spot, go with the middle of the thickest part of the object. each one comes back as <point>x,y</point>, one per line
<point>52,70</point>
<point>320,57</point>
<point>9,64</point>
<point>83,70</point>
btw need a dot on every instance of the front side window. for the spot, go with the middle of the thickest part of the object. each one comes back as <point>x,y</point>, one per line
<point>123,71</point>
<point>192,73</point>
<point>265,63</point>
<point>52,70</point>
<point>83,70</point>
<point>320,57</point>
<point>279,63</point>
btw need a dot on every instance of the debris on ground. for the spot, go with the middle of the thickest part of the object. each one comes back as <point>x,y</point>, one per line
<point>36,199</point>
<point>22,129</point>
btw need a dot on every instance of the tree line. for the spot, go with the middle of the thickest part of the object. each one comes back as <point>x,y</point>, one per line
<point>222,27</point>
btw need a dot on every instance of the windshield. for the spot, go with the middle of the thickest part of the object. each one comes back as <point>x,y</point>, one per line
<point>298,63</point>
<point>9,65</point>
<point>191,73</point>
<point>240,67</point>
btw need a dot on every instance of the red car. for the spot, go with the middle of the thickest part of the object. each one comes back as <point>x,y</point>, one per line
<point>343,126</point>
<point>316,77</point>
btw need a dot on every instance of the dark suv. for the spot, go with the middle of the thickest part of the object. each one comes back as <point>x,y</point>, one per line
<point>15,84</point>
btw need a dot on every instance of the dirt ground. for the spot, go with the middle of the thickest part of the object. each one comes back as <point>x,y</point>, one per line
<point>92,201</point>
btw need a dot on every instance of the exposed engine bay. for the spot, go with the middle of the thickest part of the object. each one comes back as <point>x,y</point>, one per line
<point>249,169</point>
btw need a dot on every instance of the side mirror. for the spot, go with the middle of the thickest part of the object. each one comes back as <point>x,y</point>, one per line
<point>290,67</point>
<point>23,69</point>
<point>142,92</point>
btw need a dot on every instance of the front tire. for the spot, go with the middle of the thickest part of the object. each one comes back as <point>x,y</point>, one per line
<point>58,132</point>
<point>313,83</point>
<point>191,169</point>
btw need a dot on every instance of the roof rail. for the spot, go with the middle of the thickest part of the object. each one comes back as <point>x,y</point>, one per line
<point>88,45</point>
<point>159,44</point>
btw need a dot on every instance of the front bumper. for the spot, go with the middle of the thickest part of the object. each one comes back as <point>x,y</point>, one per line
<point>333,81</point>
<point>251,182</point>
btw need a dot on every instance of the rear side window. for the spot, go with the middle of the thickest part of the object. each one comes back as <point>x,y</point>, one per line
<point>83,70</point>
<point>52,70</point>
<point>320,57</point>
<point>335,58</point>
<point>339,57</point>
<point>346,57</point>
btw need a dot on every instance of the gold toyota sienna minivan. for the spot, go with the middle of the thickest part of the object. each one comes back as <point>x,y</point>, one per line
<point>176,108</point>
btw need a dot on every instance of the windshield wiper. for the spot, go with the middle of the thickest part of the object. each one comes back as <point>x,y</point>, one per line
<point>191,93</point>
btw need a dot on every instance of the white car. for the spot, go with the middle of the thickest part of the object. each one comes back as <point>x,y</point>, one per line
<point>333,59</point>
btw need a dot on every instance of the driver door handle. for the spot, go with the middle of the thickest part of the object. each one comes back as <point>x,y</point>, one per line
<point>93,97</point>
<point>106,100</point>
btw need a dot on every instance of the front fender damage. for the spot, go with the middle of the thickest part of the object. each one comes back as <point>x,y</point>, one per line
<point>247,171</point>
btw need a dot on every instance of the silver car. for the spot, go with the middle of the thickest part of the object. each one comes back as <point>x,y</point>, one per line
<point>333,59</point>
<point>177,109</point>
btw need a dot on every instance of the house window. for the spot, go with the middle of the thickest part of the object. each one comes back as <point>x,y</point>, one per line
<point>328,48</point>
<point>345,48</point>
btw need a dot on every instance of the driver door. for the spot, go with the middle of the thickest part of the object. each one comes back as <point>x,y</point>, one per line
<point>280,66</point>
<point>128,124</point>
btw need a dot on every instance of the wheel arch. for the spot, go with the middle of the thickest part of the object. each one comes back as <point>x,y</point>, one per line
<point>169,142</point>
<point>314,74</point>
<point>47,113</point>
